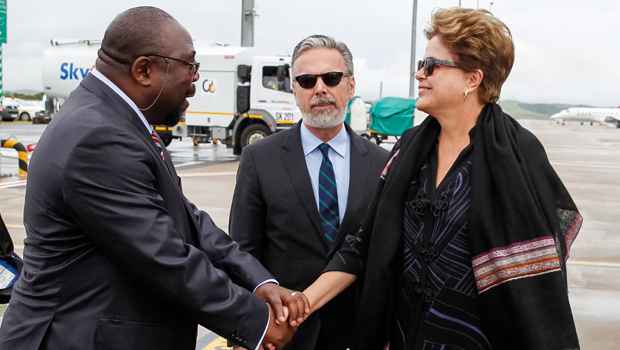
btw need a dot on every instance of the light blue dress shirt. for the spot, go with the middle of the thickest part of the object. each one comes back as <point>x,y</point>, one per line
<point>339,155</point>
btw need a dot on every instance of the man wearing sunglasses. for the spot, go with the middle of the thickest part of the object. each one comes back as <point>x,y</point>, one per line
<point>300,191</point>
<point>116,257</point>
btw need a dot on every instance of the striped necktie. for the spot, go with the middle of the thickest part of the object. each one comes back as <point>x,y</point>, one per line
<point>328,197</point>
<point>157,143</point>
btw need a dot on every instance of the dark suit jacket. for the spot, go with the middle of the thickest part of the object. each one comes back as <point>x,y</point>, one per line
<point>274,217</point>
<point>115,256</point>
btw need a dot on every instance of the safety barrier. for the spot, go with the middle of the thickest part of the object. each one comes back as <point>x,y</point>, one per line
<point>22,154</point>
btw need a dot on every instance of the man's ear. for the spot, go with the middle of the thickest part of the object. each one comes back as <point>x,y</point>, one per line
<point>295,88</point>
<point>351,83</point>
<point>142,71</point>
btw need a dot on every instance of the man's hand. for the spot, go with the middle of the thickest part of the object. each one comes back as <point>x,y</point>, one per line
<point>277,334</point>
<point>286,304</point>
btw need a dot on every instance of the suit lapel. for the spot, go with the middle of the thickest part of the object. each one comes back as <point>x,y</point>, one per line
<point>167,159</point>
<point>98,87</point>
<point>295,164</point>
<point>127,114</point>
<point>358,178</point>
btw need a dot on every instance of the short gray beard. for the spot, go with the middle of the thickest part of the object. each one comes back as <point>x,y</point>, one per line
<point>323,120</point>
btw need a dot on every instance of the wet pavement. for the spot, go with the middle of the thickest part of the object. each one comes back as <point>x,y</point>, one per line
<point>587,158</point>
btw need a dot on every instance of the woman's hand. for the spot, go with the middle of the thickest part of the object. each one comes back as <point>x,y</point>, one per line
<point>326,287</point>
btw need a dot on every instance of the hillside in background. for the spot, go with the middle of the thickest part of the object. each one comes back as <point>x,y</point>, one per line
<point>25,94</point>
<point>522,110</point>
<point>517,109</point>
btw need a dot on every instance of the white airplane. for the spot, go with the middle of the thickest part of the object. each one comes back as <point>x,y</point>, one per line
<point>609,116</point>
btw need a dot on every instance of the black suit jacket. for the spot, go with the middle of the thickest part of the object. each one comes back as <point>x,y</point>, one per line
<point>274,217</point>
<point>115,256</point>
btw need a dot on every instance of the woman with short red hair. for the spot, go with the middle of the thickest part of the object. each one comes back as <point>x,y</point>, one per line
<point>465,244</point>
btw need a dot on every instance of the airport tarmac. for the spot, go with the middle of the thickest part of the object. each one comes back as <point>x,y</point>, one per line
<point>587,158</point>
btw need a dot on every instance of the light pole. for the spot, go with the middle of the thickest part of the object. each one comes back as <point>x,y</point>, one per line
<point>247,22</point>
<point>413,68</point>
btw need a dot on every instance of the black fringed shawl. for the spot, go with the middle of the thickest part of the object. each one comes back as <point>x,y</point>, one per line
<point>522,223</point>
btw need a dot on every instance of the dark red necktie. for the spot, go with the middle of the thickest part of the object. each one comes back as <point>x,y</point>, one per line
<point>158,144</point>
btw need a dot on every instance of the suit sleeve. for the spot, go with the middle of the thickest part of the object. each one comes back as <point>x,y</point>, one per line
<point>111,190</point>
<point>225,253</point>
<point>248,210</point>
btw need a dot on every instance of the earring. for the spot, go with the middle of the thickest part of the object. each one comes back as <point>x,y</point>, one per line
<point>465,93</point>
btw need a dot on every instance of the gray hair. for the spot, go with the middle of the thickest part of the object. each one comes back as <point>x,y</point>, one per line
<point>318,41</point>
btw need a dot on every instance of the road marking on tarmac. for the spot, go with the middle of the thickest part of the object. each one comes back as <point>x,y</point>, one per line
<point>218,343</point>
<point>227,173</point>
<point>594,263</point>
<point>21,183</point>
<point>177,166</point>
<point>12,184</point>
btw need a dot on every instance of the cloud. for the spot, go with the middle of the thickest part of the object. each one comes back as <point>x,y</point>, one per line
<point>388,81</point>
<point>565,49</point>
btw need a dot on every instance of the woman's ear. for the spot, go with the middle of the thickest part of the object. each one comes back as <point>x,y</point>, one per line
<point>474,79</point>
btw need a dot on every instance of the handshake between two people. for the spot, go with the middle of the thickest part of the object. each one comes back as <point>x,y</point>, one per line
<point>287,310</point>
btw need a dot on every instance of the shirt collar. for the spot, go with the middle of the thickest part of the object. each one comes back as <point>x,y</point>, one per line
<point>124,96</point>
<point>310,142</point>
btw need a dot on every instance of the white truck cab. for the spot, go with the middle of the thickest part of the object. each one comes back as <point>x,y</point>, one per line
<point>240,97</point>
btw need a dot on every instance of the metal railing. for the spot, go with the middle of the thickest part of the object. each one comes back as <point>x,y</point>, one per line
<point>22,154</point>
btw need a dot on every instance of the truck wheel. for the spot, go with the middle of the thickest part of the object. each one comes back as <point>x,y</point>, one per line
<point>24,116</point>
<point>166,137</point>
<point>254,133</point>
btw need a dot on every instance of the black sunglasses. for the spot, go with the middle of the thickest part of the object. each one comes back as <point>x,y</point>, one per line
<point>331,79</point>
<point>429,64</point>
<point>193,66</point>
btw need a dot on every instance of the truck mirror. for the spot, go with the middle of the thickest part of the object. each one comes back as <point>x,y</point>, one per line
<point>244,73</point>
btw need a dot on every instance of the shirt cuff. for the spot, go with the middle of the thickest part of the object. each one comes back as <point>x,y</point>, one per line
<point>260,341</point>
<point>264,282</point>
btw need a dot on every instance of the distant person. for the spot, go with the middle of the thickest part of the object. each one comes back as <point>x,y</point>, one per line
<point>466,242</point>
<point>300,191</point>
<point>115,256</point>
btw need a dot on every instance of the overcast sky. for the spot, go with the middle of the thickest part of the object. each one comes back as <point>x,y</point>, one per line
<point>566,50</point>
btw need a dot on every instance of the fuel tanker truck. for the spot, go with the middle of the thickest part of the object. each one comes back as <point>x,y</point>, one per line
<point>241,97</point>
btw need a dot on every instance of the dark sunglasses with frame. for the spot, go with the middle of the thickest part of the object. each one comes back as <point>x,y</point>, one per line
<point>429,64</point>
<point>330,79</point>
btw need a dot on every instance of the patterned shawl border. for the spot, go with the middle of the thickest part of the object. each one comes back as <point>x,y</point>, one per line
<point>518,260</point>
<point>515,248</point>
<point>525,271</point>
<point>572,231</point>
